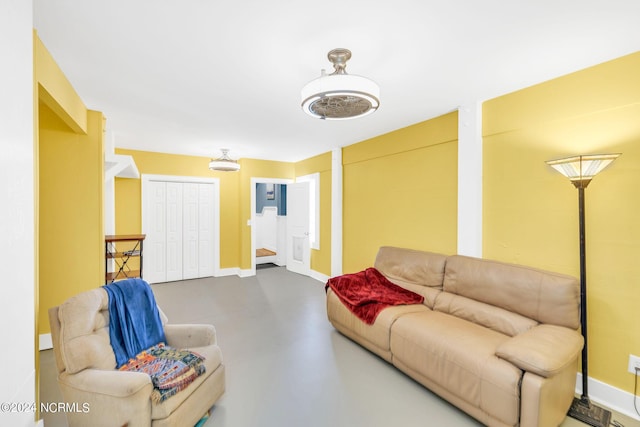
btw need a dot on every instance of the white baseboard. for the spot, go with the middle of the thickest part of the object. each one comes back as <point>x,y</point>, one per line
<point>319,276</point>
<point>234,271</point>
<point>245,273</point>
<point>609,396</point>
<point>45,342</point>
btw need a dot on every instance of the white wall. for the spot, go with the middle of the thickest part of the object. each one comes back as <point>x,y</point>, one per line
<point>17,308</point>
<point>470,179</point>
<point>267,228</point>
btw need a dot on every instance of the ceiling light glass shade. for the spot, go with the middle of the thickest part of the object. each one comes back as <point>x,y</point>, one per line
<point>224,163</point>
<point>581,169</point>
<point>340,96</point>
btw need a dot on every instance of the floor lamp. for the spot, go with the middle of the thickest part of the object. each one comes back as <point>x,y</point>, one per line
<point>581,170</point>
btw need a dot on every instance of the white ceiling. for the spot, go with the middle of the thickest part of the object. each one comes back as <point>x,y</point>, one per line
<point>194,76</point>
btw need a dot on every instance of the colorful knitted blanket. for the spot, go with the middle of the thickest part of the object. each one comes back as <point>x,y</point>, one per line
<point>171,370</point>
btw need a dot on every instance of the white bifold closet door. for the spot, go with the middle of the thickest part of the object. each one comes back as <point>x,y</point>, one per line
<point>174,231</point>
<point>180,232</point>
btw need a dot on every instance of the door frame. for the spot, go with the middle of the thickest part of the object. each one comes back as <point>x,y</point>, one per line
<point>293,202</point>
<point>146,179</point>
<point>252,221</point>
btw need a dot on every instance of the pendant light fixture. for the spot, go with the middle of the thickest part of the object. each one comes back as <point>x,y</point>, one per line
<point>224,163</point>
<point>340,96</point>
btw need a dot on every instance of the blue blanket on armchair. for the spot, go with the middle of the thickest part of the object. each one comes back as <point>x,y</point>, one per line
<point>134,319</point>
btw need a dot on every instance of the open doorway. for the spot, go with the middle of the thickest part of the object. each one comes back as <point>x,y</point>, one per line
<point>268,222</point>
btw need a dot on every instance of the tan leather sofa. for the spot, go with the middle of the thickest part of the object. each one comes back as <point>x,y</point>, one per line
<point>499,341</point>
<point>104,396</point>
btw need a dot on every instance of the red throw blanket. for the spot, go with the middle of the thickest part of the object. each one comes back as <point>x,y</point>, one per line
<point>368,292</point>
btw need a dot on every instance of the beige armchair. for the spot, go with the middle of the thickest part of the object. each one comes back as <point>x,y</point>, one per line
<point>100,395</point>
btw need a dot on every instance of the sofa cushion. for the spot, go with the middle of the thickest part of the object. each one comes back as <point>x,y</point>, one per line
<point>84,332</point>
<point>212,361</point>
<point>490,316</point>
<point>418,271</point>
<point>376,333</point>
<point>543,296</point>
<point>460,357</point>
<point>368,292</point>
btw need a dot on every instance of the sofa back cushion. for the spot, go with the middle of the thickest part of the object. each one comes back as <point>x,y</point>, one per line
<point>83,337</point>
<point>84,332</point>
<point>492,317</point>
<point>540,295</point>
<point>418,271</point>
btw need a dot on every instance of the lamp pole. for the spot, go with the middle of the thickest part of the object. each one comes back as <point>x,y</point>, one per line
<point>581,185</point>
<point>580,170</point>
<point>582,409</point>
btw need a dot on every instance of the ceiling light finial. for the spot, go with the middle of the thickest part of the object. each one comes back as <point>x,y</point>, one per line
<point>224,163</point>
<point>339,96</point>
<point>339,57</point>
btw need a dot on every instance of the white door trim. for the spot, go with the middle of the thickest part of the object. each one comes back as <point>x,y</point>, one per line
<point>252,218</point>
<point>314,199</point>
<point>296,230</point>
<point>147,178</point>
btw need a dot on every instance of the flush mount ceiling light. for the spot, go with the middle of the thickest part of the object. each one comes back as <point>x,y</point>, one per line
<point>340,96</point>
<point>224,163</point>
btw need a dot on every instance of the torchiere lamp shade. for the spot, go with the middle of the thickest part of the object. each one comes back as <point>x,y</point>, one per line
<point>581,169</point>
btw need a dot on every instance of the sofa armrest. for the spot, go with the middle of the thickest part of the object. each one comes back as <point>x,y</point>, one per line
<point>544,349</point>
<point>108,383</point>
<point>188,336</point>
<point>107,397</point>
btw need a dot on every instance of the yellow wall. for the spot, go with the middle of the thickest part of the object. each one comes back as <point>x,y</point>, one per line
<point>55,90</point>
<point>530,211</point>
<point>70,174</point>
<point>235,197</point>
<point>321,258</point>
<point>128,192</point>
<point>71,239</point>
<point>400,189</point>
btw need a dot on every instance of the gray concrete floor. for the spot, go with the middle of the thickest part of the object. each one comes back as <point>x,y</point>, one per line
<point>286,365</point>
